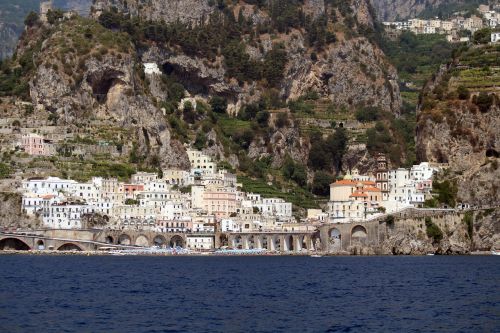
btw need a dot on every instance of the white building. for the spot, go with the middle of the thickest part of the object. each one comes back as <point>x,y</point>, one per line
<point>200,162</point>
<point>200,242</point>
<point>495,37</point>
<point>151,68</point>
<point>51,185</point>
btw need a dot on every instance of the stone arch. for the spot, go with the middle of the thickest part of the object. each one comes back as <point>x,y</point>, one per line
<point>289,246</point>
<point>251,242</point>
<point>176,241</point>
<point>109,240</point>
<point>265,242</point>
<point>142,240</point>
<point>124,239</point>
<point>359,234</point>
<point>40,244</point>
<point>238,242</point>
<point>69,247</point>
<point>224,241</point>
<point>335,239</point>
<point>12,243</point>
<point>160,241</point>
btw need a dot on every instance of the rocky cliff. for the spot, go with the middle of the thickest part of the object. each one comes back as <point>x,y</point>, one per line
<point>349,70</point>
<point>86,77</point>
<point>392,10</point>
<point>458,123</point>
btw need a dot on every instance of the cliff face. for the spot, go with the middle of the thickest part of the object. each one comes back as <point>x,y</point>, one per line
<point>350,71</point>
<point>392,10</point>
<point>96,83</point>
<point>458,123</point>
<point>186,11</point>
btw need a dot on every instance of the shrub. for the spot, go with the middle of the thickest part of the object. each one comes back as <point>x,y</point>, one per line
<point>469,221</point>
<point>281,120</point>
<point>463,93</point>
<point>218,104</point>
<point>31,19</point>
<point>483,101</point>
<point>367,114</point>
<point>432,230</point>
<point>321,183</point>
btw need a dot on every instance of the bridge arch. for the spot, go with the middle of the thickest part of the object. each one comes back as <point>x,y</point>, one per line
<point>288,243</point>
<point>224,241</point>
<point>69,247</point>
<point>12,243</point>
<point>176,241</point>
<point>124,239</point>
<point>335,239</point>
<point>142,240</point>
<point>160,241</point>
<point>237,242</point>
<point>40,244</point>
<point>359,234</point>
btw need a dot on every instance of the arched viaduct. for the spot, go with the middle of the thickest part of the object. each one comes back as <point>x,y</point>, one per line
<point>87,240</point>
<point>271,241</point>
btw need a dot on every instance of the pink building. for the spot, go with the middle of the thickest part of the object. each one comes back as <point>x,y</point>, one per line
<point>219,202</point>
<point>36,145</point>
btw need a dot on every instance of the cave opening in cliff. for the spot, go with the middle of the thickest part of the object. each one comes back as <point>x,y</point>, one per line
<point>191,81</point>
<point>492,153</point>
<point>102,83</point>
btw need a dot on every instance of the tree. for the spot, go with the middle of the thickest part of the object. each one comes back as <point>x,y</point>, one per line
<point>337,146</point>
<point>218,104</point>
<point>281,120</point>
<point>54,15</point>
<point>463,93</point>
<point>484,101</point>
<point>31,19</point>
<point>321,183</point>
<point>482,36</point>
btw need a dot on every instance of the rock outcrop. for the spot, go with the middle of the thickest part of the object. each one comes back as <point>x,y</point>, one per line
<point>105,89</point>
<point>392,10</point>
<point>186,11</point>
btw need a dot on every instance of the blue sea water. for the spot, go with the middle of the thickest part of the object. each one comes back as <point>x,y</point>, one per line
<point>249,294</point>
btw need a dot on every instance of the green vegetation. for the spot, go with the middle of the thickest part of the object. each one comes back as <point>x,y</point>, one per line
<point>295,171</point>
<point>432,230</point>
<point>327,154</point>
<point>131,202</point>
<point>5,171</point>
<point>469,222</point>
<point>417,57</point>
<point>444,193</point>
<point>296,195</point>
<point>321,183</point>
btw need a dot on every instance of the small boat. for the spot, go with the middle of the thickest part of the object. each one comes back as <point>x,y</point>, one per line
<point>495,252</point>
<point>430,254</point>
<point>316,256</point>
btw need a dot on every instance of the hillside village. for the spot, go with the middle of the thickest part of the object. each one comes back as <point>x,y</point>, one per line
<point>456,28</point>
<point>204,200</point>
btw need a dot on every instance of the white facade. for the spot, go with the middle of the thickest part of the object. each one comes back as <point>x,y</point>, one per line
<point>51,185</point>
<point>151,68</point>
<point>200,242</point>
<point>495,37</point>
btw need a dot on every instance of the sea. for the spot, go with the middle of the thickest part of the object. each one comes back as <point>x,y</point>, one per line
<point>249,294</point>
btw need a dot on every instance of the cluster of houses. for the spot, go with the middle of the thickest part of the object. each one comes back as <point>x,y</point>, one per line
<point>194,202</point>
<point>204,200</point>
<point>360,197</point>
<point>489,17</point>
